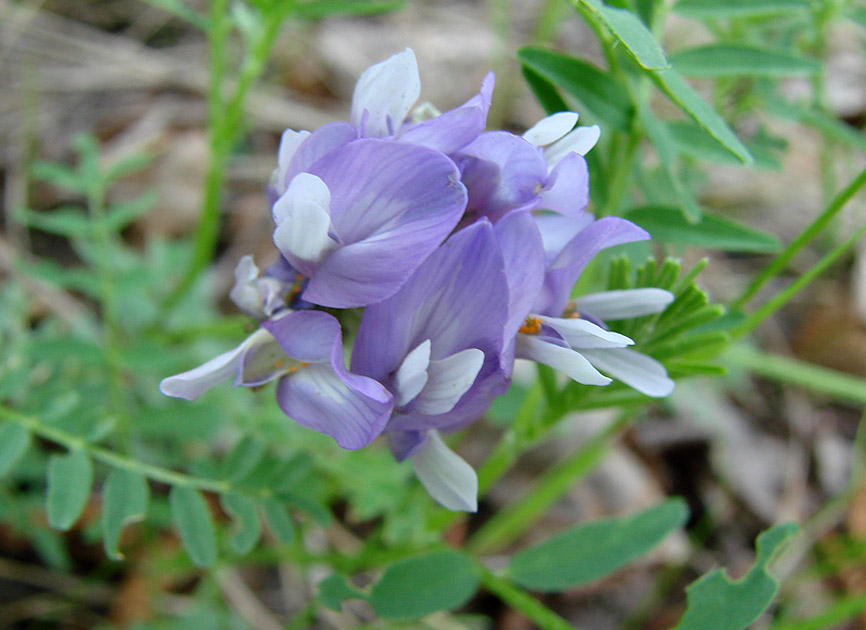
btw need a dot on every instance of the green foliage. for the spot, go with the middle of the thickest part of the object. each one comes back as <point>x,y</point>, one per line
<point>83,375</point>
<point>722,9</point>
<point>248,527</point>
<point>628,28</point>
<point>14,442</point>
<point>715,602</point>
<point>724,60</point>
<point>600,96</point>
<point>124,500</point>
<point>591,551</point>
<point>192,515</point>
<point>421,585</point>
<point>711,232</point>
<point>334,589</point>
<point>69,479</point>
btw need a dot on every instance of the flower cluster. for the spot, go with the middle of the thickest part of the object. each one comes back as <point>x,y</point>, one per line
<point>461,246</point>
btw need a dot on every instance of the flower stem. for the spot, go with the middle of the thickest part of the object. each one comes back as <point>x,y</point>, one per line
<point>512,521</point>
<point>538,613</point>
<point>805,237</point>
<point>116,460</point>
<point>226,125</point>
<point>783,297</point>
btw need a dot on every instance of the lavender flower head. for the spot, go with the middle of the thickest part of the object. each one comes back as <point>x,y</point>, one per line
<point>461,246</point>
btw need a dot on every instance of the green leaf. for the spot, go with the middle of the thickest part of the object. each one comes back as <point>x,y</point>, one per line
<point>324,8</point>
<point>715,602</point>
<point>66,221</point>
<point>334,589</point>
<point>545,92</point>
<point>738,8</point>
<point>439,580</point>
<point>597,92</point>
<point>243,458</point>
<point>712,231</point>
<point>279,522</point>
<point>591,551</point>
<point>14,442</point>
<point>634,35</point>
<point>58,175</point>
<point>248,528</point>
<point>181,10</point>
<point>121,215</point>
<point>705,116</point>
<point>125,166</point>
<point>69,479</point>
<point>725,60</point>
<point>124,500</point>
<point>191,513</point>
<point>693,141</point>
<point>665,146</point>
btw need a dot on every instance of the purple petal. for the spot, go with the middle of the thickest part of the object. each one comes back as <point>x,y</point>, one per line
<point>392,204</point>
<point>353,411</point>
<point>307,336</point>
<point>323,396</point>
<point>523,254</point>
<point>456,128</point>
<point>502,172</point>
<point>457,299</point>
<point>404,444</point>
<point>322,141</point>
<point>563,272</point>
<point>567,189</point>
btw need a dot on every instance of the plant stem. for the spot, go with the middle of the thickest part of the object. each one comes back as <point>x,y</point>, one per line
<point>805,237</point>
<point>538,613</point>
<point>787,370</point>
<point>512,521</point>
<point>783,297</point>
<point>111,332</point>
<point>116,460</point>
<point>225,122</point>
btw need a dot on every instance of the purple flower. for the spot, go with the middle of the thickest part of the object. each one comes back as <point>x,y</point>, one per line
<point>437,345</point>
<point>382,108</point>
<point>362,218</point>
<point>542,170</point>
<point>303,352</point>
<point>561,334</point>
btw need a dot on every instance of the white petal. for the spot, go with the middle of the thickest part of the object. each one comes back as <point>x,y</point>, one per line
<point>289,143</point>
<point>581,140</point>
<point>550,129</point>
<point>448,479</point>
<point>195,382</point>
<point>636,370</point>
<point>411,376</point>
<point>303,222</point>
<point>449,379</point>
<point>580,334</point>
<point>569,362</point>
<point>387,92</point>
<point>245,293</point>
<point>625,303</point>
<point>304,189</point>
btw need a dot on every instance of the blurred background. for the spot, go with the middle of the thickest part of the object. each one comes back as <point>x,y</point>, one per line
<point>760,445</point>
